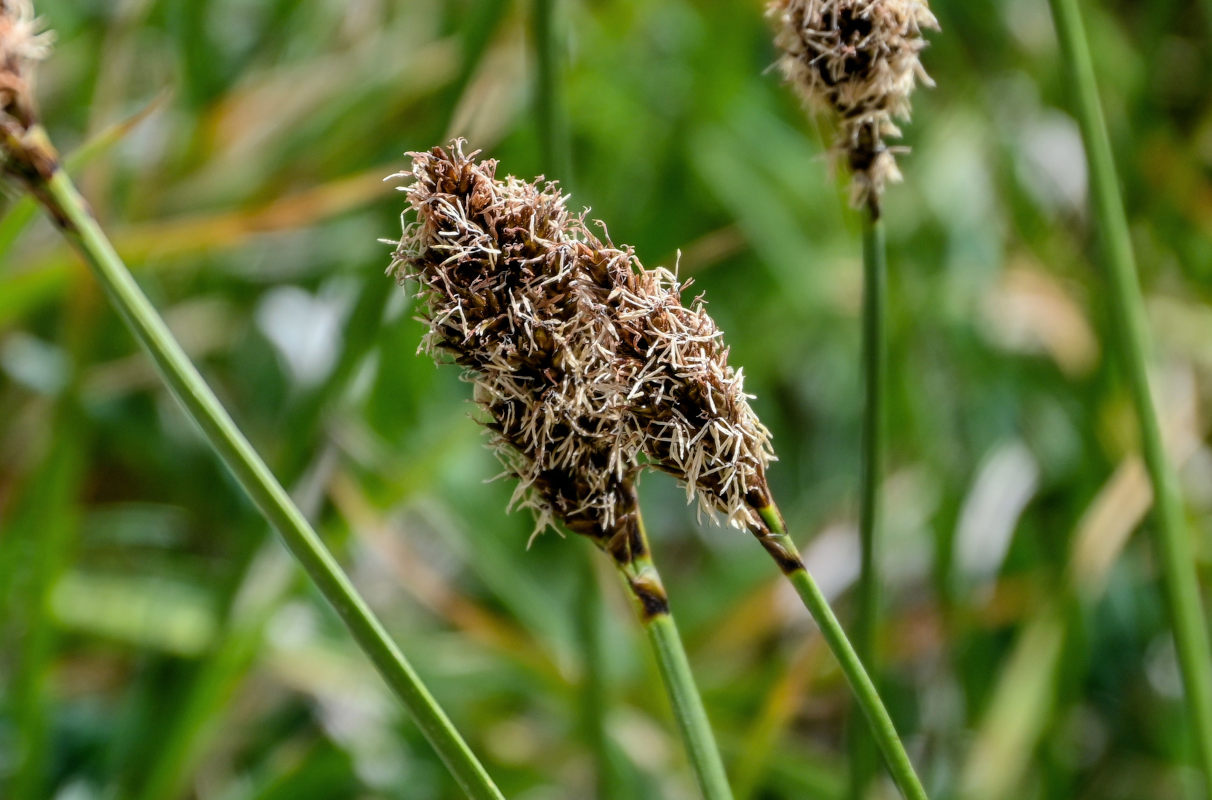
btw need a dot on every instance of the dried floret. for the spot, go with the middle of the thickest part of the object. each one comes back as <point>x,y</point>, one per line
<point>499,264</point>
<point>21,44</point>
<point>586,365</point>
<point>688,402</point>
<point>859,59</point>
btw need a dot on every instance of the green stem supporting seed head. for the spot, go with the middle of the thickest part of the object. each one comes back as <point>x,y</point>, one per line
<point>539,313</point>
<point>1172,539</point>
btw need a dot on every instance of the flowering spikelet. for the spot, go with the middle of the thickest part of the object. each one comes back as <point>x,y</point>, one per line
<point>689,404</point>
<point>21,45</point>
<point>860,59</point>
<point>581,359</point>
<point>507,298</point>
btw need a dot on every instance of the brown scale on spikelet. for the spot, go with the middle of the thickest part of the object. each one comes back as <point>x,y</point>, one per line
<point>21,44</point>
<point>498,263</point>
<point>581,359</point>
<point>25,152</point>
<point>688,403</point>
<point>859,58</point>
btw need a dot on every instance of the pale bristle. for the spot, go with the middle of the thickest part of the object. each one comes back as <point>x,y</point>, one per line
<point>859,59</point>
<point>500,269</point>
<point>582,359</point>
<point>21,44</point>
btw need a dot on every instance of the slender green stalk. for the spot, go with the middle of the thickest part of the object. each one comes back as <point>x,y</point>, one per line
<point>1128,319</point>
<point>67,208</point>
<point>645,585</point>
<point>184,734</point>
<point>687,706</point>
<point>553,134</point>
<point>781,546</point>
<point>556,160</point>
<point>41,535</point>
<point>594,692</point>
<point>874,357</point>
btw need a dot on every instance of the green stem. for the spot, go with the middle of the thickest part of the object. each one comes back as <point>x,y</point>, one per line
<point>185,733</point>
<point>1128,319</point>
<point>645,585</point>
<point>594,692</point>
<point>553,135</point>
<point>82,230</point>
<point>556,161</point>
<point>688,707</point>
<point>874,357</point>
<point>41,534</point>
<point>780,545</point>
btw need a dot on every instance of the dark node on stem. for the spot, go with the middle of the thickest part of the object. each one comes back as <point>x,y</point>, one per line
<point>874,208</point>
<point>758,497</point>
<point>771,532</point>
<point>788,561</point>
<point>653,601</point>
<point>627,544</point>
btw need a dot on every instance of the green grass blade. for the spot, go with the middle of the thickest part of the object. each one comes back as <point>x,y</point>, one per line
<point>553,131</point>
<point>38,537</point>
<point>22,212</point>
<point>1172,539</point>
<point>874,357</point>
<point>865,693</point>
<point>68,208</point>
<point>186,732</point>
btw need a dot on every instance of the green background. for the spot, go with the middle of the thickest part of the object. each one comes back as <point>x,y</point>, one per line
<point>156,642</point>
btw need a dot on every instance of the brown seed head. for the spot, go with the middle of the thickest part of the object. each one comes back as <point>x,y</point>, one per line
<point>501,267</point>
<point>582,360</point>
<point>21,44</point>
<point>859,58</point>
<point>688,403</point>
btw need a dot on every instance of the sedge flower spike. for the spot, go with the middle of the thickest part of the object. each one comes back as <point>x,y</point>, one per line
<point>860,60</point>
<point>687,401</point>
<point>586,365</point>
<point>499,266</point>
<point>24,149</point>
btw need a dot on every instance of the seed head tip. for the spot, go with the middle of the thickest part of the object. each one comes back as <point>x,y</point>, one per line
<point>859,59</point>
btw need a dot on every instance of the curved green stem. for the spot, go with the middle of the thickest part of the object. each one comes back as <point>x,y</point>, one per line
<point>783,549</point>
<point>594,694</point>
<point>646,588</point>
<point>553,132</point>
<point>68,210</point>
<point>1128,320</point>
<point>556,161</point>
<point>874,357</point>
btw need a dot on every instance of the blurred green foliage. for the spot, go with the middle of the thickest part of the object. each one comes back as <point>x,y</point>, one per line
<point>156,643</point>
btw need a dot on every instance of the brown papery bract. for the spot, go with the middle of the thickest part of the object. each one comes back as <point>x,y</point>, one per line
<point>688,402</point>
<point>25,153</point>
<point>585,364</point>
<point>21,44</point>
<point>859,59</point>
